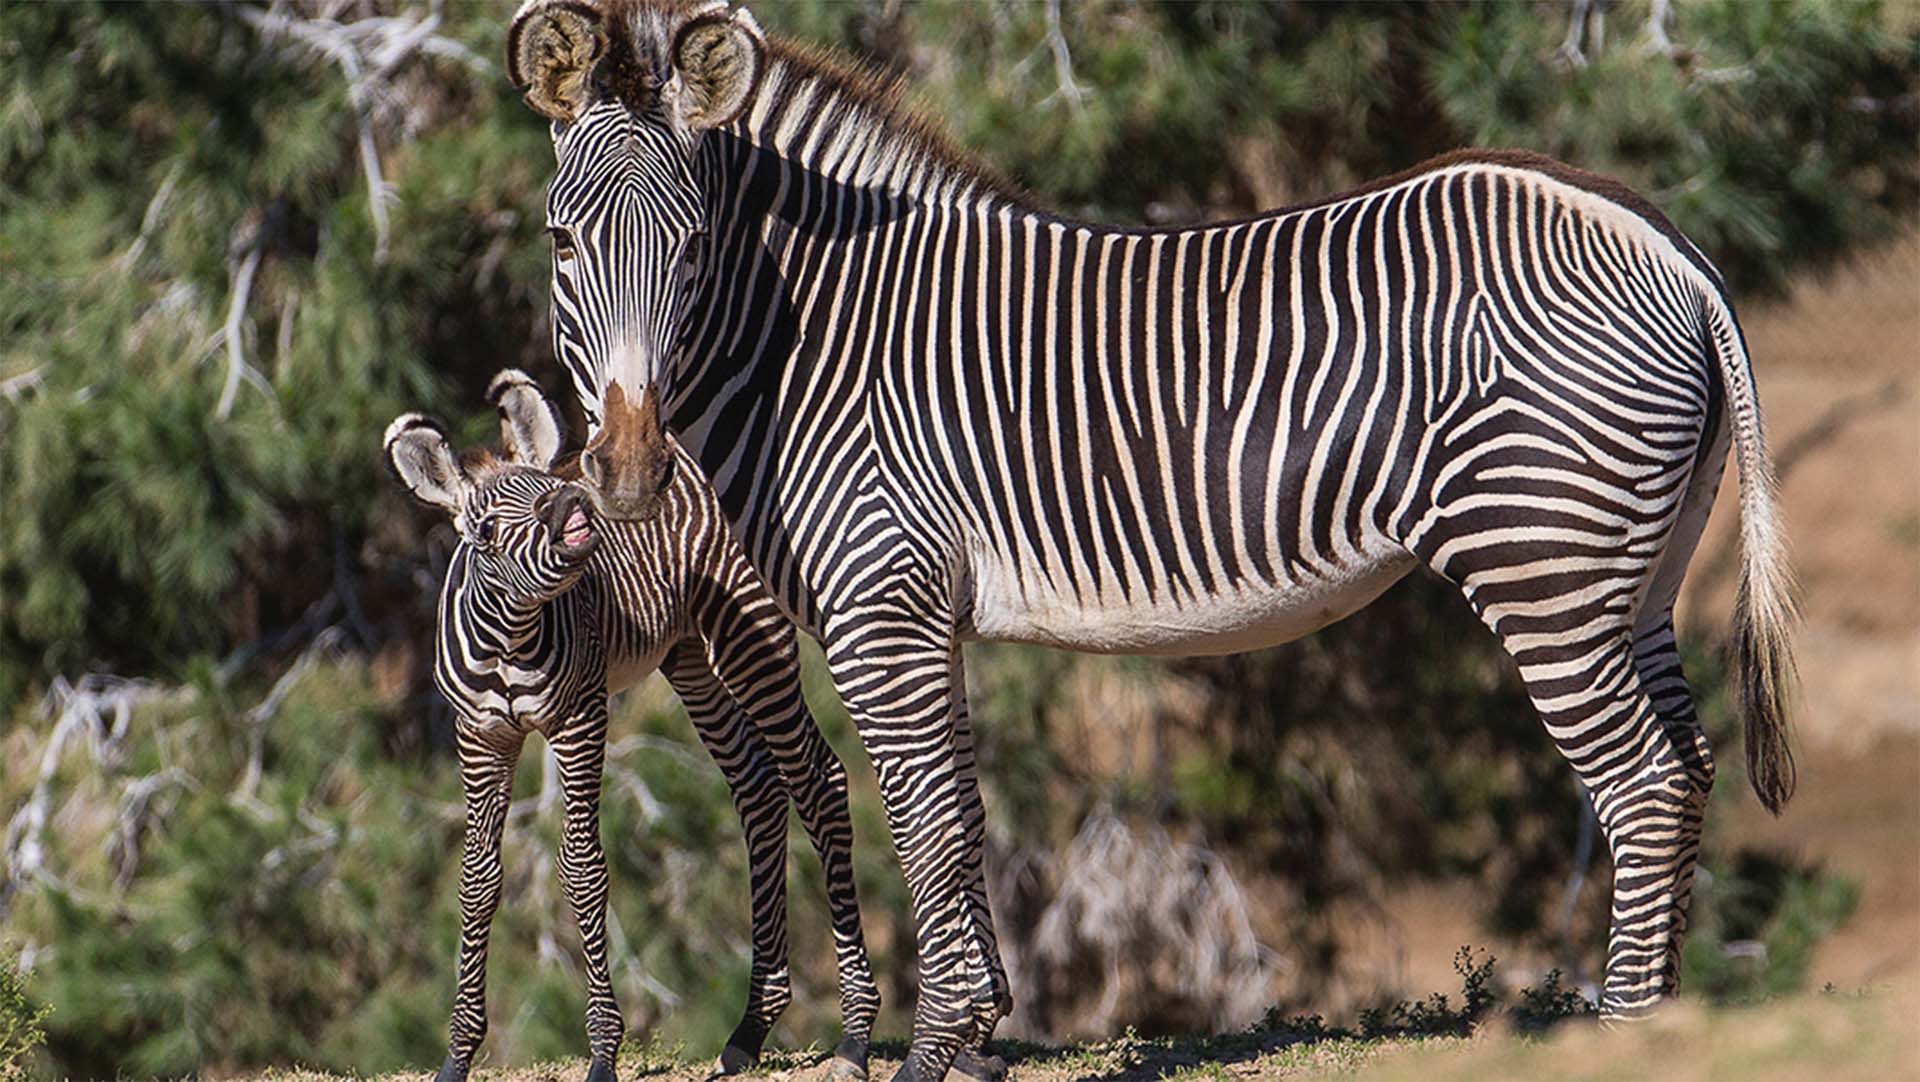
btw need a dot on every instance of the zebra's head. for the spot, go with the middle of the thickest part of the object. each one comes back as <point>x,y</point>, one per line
<point>525,533</point>
<point>630,87</point>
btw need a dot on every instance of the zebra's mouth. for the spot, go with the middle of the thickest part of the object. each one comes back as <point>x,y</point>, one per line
<point>570,524</point>
<point>576,531</point>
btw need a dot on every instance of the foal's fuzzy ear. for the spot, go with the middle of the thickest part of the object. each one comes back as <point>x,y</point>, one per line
<point>529,427</point>
<point>717,62</point>
<point>552,47</point>
<point>418,451</point>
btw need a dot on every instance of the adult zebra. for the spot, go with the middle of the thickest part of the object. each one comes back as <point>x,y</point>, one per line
<point>937,414</point>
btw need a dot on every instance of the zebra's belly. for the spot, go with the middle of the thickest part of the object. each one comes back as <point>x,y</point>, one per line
<point>627,668</point>
<point>1246,616</point>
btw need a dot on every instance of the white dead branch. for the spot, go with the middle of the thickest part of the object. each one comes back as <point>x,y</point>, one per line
<point>367,52</point>
<point>1134,910</point>
<point>95,713</point>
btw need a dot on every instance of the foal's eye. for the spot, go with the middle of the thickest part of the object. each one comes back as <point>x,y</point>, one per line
<point>483,532</point>
<point>562,244</point>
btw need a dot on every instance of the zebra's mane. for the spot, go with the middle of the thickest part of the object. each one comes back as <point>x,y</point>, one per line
<point>914,148</point>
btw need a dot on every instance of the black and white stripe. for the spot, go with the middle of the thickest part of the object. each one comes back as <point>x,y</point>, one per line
<point>937,414</point>
<point>535,633</point>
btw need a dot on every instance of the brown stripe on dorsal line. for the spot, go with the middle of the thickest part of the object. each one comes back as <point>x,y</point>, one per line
<point>885,97</point>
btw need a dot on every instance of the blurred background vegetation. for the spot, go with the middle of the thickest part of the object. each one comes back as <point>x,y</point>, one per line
<point>236,239</point>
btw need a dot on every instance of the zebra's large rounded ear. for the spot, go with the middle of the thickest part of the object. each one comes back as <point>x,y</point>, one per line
<point>420,456</point>
<point>717,62</point>
<point>552,46</point>
<point>529,427</point>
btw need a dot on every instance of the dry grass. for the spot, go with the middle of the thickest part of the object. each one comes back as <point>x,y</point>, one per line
<point>1819,1036</point>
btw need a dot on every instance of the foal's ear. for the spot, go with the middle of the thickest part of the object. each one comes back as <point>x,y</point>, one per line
<point>552,47</point>
<point>417,450</point>
<point>529,428</point>
<point>717,62</point>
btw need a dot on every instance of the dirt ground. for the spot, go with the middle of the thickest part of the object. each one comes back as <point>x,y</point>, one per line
<point>1818,1036</point>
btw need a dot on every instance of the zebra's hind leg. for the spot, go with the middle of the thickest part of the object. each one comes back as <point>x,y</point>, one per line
<point>1648,780</point>
<point>760,801</point>
<point>1668,869</point>
<point>752,650</point>
<point>581,748</point>
<point>487,758</point>
<point>1647,773</point>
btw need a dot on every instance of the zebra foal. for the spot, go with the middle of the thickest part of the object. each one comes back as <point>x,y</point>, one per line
<point>546,611</point>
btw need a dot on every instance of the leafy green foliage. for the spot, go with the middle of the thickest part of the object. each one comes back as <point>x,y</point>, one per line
<point>1756,918</point>
<point>21,1018</point>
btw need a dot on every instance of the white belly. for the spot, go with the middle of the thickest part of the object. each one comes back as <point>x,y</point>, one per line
<point>1247,616</point>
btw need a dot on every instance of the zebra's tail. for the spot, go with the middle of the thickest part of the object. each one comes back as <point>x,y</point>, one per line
<point>1765,613</point>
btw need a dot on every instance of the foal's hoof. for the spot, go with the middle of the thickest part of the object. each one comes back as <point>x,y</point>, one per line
<point>849,1062</point>
<point>732,1060</point>
<point>451,1071</point>
<point>601,1070</point>
<point>980,1066</point>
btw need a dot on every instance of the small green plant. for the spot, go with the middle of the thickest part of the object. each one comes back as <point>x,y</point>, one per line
<point>21,1034</point>
<point>1547,1004</point>
<point>1435,1016</point>
<point>655,1056</point>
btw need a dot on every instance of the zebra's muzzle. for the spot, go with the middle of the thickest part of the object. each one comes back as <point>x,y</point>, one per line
<point>570,526</point>
<point>629,461</point>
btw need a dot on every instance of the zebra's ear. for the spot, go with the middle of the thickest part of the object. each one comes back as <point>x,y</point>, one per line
<point>529,428</point>
<point>552,46</point>
<point>717,61</point>
<point>420,456</point>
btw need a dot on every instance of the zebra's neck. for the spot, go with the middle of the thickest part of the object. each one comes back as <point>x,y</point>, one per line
<point>502,635</point>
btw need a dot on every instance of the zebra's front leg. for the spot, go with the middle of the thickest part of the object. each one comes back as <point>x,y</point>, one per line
<point>581,748</point>
<point>760,800</point>
<point>487,758</point>
<point>992,993</point>
<point>894,673</point>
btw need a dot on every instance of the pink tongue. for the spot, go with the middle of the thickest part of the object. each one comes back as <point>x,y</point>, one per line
<point>576,529</point>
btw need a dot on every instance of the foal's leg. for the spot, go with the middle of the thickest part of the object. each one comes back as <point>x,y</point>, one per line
<point>487,758</point>
<point>751,649</point>
<point>581,748</point>
<point>760,799</point>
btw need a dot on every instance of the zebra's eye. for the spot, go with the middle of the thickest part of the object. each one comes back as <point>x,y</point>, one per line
<point>562,244</point>
<point>483,531</point>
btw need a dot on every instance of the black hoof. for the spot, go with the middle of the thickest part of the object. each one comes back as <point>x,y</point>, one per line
<point>849,1062</point>
<point>916,1069</point>
<point>733,1059</point>
<point>451,1071</point>
<point>978,1065</point>
<point>601,1070</point>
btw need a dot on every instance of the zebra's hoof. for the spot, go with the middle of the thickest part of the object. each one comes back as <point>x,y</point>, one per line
<point>601,1070</point>
<point>451,1071</point>
<point>979,1066</point>
<point>915,1070</point>
<point>849,1062</point>
<point>732,1060</point>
